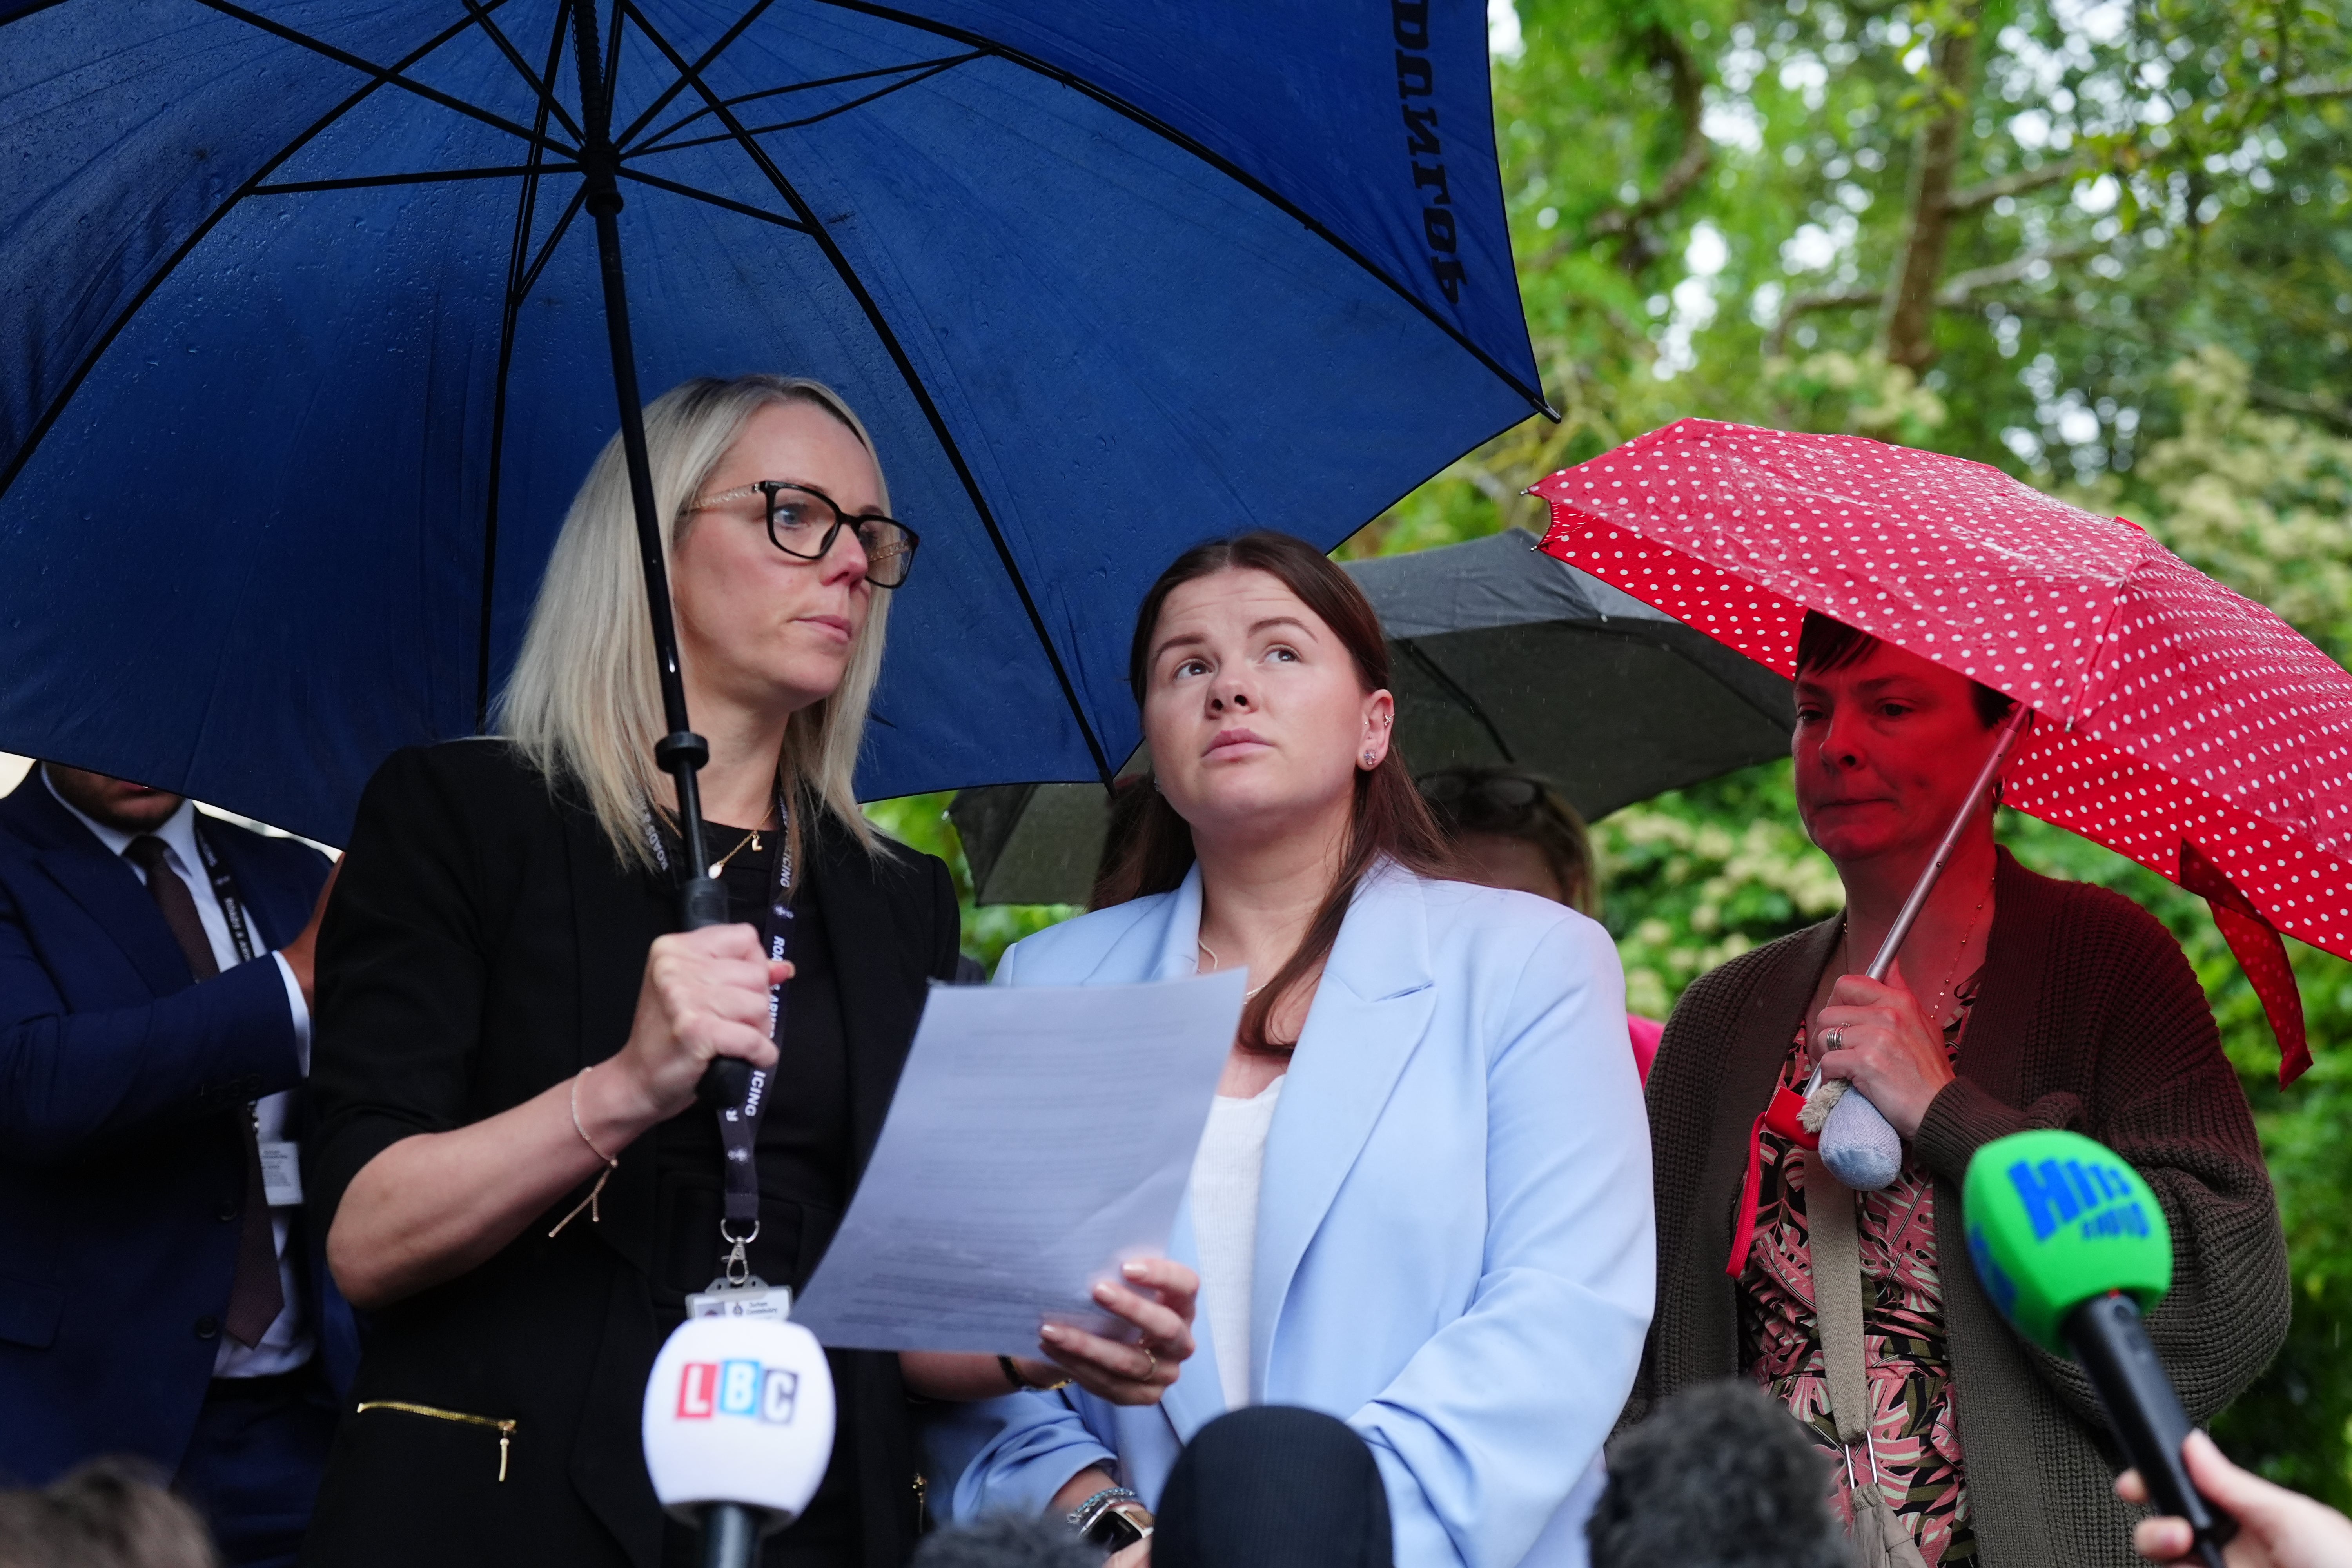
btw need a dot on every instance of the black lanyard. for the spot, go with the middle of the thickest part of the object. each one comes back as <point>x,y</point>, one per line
<point>232,908</point>
<point>738,1125</point>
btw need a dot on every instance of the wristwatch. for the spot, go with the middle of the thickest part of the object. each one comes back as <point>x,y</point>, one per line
<point>1113,1519</point>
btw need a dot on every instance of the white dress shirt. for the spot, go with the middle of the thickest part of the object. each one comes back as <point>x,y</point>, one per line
<point>288,1344</point>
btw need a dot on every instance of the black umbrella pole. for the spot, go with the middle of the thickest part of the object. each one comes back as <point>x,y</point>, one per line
<point>681,753</point>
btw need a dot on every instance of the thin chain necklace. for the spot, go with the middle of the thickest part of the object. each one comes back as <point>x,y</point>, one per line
<point>751,841</point>
<point>1216,964</point>
<point>1934,1009</point>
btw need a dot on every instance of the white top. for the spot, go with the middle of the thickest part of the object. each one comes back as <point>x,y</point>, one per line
<point>287,1344</point>
<point>1225,1175</point>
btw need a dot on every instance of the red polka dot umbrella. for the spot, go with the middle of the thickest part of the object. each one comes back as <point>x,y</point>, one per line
<point>2179,723</point>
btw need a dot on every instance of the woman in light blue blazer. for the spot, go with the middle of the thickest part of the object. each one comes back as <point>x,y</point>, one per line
<point>1422,1201</point>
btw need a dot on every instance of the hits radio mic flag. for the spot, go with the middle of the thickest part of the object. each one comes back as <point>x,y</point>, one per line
<point>2072,1248</point>
<point>739,1422</point>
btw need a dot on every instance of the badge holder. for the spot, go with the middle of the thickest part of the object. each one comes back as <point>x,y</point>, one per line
<point>281,1173</point>
<point>738,1292</point>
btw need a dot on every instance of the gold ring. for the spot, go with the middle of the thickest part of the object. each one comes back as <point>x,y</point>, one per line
<point>1152,1364</point>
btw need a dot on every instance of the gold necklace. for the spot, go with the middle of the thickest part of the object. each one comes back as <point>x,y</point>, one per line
<point>751,841</point>
<point>1934,1009</point>
<point>1216,964</point>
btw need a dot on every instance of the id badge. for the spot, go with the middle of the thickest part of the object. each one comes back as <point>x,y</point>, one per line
<point>281,1173</point>
<point>752,1298</point>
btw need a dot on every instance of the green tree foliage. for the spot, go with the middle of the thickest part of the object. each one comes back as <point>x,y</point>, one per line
<point>2143,299</point>
<point>2104,244</point>
<point>921,821</point>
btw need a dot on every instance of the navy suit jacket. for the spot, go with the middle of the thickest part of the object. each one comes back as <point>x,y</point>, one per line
<point>122,1159</point>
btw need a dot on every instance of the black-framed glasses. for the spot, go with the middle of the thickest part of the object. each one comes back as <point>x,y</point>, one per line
<point>803,523</point>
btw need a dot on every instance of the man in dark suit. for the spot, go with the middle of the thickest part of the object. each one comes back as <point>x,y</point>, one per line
<point>158,1295</point>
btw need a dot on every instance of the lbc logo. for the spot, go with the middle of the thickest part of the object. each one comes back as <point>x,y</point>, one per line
<point>707,1388</point>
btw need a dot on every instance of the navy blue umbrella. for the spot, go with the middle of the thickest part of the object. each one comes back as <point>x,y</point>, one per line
<point>304,344</point>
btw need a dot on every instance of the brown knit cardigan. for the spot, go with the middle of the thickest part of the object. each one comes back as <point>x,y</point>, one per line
<point>2089,1018</point>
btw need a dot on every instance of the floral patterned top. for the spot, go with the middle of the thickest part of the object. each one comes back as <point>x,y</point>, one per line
<point>1905,1359</point>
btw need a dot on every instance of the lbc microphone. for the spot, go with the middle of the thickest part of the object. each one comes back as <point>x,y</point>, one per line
<point>2072,1248</point>
<point>738,1429</point>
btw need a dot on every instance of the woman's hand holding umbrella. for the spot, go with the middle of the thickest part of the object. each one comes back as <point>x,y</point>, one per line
<point>1873,1035</point>
<point>705,996</point>
<point>435,1205</point>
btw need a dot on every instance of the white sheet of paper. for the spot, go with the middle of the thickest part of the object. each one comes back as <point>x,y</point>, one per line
<point>1041,1135</point>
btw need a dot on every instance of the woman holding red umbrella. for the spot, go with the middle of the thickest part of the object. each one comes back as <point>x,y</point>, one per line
<point>2016,1002</point>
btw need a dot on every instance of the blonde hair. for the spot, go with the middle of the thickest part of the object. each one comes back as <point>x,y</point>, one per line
<point>584,704</point>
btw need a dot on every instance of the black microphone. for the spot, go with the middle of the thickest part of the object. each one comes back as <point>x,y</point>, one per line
<point>2143,1407</point>
<point>2071,1245</point>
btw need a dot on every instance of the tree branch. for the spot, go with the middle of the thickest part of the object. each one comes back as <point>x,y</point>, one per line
<point>2042,309</point>
<point>1968,199</point>
<point>2316,87</point>
<point>2325,410</point>
<point>1693,156</point>
<point>1805,304</point>
<point>1955,294</point>
<point>1960,285</point>
<point>1906,330</point>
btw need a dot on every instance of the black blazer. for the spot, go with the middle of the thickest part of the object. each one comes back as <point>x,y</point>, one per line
<point>484,943</point>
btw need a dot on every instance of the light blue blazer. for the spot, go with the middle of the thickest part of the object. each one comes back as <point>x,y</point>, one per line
<point>1455,1248</point>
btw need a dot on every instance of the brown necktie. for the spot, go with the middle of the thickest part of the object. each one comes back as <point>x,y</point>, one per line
<point>256,1296</point>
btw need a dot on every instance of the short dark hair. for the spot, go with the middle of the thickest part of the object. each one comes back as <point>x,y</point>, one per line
<point>1825,645</point>
<point>1718,1476</point>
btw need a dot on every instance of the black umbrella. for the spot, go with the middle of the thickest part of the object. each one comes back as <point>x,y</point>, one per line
<point>1501,654</point>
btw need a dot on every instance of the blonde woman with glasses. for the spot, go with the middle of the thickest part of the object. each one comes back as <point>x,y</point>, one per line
<point>516,1186</point>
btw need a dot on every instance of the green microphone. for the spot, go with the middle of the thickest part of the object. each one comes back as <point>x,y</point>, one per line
<point>2072,1248</point>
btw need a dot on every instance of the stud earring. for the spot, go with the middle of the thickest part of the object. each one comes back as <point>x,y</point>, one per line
<point>1370,759</point>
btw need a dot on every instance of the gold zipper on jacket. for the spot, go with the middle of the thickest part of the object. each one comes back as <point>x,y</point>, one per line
<point>505,1429</point>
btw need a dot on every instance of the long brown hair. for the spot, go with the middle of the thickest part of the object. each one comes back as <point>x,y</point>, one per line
<point>1388,820</point>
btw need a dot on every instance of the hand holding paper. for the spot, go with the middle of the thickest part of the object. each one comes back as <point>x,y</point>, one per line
<point>1040,1137</point>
